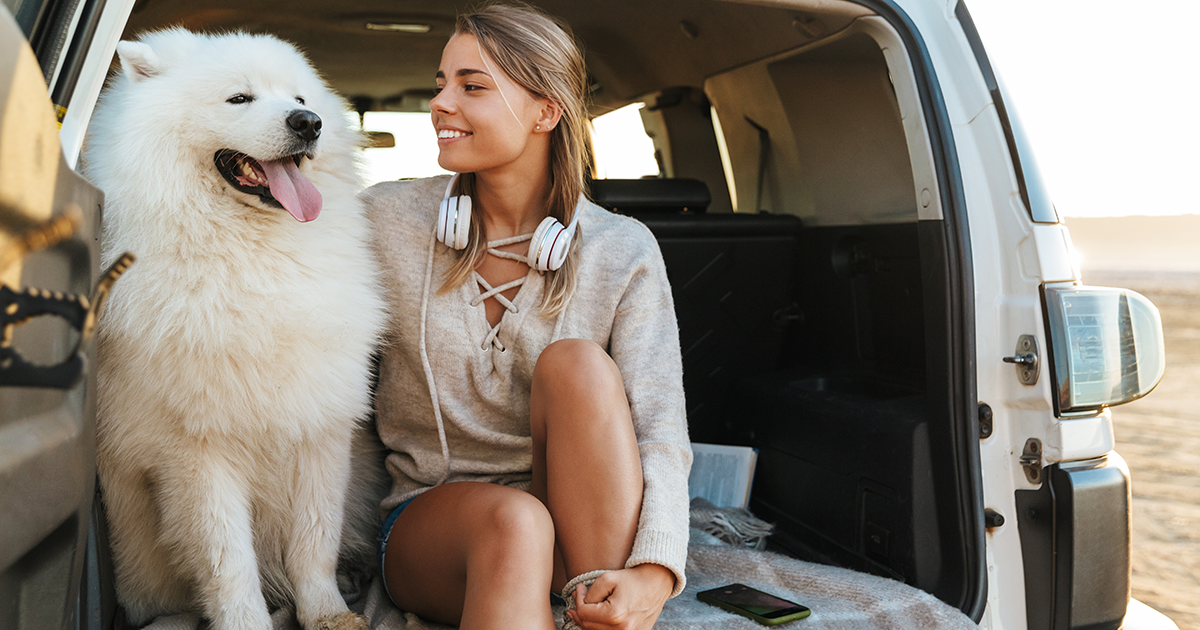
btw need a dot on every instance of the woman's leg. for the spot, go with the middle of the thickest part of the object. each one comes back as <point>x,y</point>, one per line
<point>586,464</point>
<point>473,554</point>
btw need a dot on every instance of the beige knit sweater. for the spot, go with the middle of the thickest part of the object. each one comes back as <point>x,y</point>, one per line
<point>481,382</point>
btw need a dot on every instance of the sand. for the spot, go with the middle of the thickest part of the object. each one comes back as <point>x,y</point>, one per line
<point>1159,435</point>
<point>1150,244</point>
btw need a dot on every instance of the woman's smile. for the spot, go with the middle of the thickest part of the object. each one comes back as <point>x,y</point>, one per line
<point>447,135</point>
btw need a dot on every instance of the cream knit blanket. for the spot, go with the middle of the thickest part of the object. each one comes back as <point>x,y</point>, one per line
<point>839,598</point>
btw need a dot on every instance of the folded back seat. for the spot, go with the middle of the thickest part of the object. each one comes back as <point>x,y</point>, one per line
<point>732,278</point>
<point>844,454</point>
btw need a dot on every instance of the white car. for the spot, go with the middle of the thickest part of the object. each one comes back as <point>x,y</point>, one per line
<point>872,286</point>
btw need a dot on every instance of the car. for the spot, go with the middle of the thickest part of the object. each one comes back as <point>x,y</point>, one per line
<point>872,285</point>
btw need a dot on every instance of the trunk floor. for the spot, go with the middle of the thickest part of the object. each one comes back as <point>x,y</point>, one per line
<point>839,598</point>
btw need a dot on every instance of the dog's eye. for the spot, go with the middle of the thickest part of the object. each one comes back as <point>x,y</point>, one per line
<point>239,99</point>
<point>300,99</point>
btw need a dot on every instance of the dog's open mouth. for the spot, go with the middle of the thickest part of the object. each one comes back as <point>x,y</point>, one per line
<point>277,182</point>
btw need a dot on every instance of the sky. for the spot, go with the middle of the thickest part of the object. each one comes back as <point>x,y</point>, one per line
<point>1109,92</point>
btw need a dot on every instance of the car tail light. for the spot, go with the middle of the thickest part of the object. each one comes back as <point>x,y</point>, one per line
<point>1106,345</point>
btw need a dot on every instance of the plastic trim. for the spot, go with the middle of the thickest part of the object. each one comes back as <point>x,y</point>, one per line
<point>959,306</point>
<point>1075,537</point>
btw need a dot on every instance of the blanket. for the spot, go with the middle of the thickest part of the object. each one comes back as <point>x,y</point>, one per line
<point>839,598</point>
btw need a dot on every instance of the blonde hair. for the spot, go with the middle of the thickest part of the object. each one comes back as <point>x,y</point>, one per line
<point>538,53</point>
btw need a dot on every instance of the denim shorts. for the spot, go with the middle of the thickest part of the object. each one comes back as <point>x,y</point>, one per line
<point>385,530</point>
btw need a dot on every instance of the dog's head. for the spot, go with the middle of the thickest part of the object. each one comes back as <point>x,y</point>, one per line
<point>249,106</point>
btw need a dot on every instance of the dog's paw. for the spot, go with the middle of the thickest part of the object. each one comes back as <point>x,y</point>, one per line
<point>345,621</point>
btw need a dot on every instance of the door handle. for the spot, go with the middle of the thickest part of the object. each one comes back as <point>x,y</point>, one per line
<point>80,311</point>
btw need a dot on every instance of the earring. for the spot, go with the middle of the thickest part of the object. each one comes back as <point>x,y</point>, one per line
<point>538,127</point>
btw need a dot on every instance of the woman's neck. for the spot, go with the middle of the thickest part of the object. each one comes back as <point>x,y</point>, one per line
<point>512,201</point>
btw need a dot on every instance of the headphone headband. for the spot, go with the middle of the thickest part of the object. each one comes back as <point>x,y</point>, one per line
<point>547,248</point>
<point>450,186</point>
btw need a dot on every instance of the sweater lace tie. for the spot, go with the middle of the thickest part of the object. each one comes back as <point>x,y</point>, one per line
<point>492,340</point>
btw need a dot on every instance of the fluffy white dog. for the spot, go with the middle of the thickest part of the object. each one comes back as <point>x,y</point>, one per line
<point>235,354</point>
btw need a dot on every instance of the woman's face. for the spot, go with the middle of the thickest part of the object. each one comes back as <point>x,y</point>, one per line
<point>477,130</point>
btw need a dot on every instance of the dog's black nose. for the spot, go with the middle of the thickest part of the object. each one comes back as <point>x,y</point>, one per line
<point>306,124</point>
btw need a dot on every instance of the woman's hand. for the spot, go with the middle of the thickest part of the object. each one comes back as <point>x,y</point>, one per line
<point>628,599</point>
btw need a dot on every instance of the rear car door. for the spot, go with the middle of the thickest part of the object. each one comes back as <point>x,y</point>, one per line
<point>50,564</point>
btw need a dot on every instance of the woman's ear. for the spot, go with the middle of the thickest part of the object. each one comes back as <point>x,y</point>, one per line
<point>549,115</point>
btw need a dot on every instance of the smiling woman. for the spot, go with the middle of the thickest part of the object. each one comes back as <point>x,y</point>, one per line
<point>554,386</point>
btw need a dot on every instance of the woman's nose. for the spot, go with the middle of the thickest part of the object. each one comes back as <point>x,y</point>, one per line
<point>442,102</point>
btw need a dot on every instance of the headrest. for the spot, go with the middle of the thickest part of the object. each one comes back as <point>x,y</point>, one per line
<point>651,195</point>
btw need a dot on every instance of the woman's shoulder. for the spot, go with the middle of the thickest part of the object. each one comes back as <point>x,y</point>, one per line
<point>619,255</point>
<point>614,237</point>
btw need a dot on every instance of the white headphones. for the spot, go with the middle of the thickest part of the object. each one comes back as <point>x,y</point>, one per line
<point>547,249</point>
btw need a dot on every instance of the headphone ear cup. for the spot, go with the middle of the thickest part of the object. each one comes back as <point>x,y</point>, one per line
<point>454,221</point>
<point>549,245</point>
<point>462,224</point>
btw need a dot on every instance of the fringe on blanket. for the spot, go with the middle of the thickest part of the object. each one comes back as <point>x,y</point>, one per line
<point>734,526</point>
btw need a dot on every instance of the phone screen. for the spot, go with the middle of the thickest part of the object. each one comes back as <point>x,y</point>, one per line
<point>755,601</point>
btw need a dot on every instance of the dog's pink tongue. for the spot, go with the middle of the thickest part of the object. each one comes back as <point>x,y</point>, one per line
<point>293,190</point>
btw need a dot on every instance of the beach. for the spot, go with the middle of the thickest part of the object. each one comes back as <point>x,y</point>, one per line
<point>1159,435</point>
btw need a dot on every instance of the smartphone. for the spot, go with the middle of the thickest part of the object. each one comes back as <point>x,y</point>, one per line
<point>764,608</point>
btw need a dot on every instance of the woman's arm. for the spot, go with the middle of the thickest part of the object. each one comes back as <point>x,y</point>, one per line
<point>644,343</point>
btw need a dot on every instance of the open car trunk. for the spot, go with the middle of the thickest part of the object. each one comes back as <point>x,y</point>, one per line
<point>823,295</point>
<point>816,320</point>
<point>811,345</point>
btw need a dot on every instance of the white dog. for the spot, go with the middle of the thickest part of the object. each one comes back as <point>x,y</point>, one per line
<point>235,354</point>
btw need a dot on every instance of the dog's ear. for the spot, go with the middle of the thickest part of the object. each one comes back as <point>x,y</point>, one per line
<point>138,60</point>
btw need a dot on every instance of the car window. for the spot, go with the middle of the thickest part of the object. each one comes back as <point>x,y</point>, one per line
<point>415,153</point>
<point>623,150</point>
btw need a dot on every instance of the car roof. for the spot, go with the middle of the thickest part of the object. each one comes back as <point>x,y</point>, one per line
<point>632,47</point>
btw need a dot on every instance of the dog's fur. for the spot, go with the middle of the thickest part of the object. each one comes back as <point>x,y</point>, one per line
<point>235,353</point>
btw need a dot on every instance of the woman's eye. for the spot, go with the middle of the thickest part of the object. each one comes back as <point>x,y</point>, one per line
<point>239,99</point>
<point>300,99</point>
<point>472,88</point>
<point>438,90</point>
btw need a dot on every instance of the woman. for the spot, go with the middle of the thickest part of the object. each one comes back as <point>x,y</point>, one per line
<point>557,409</point>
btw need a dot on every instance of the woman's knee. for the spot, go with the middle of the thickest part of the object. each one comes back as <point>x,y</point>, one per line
<point>515,522</point>
<point>577,363</point>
